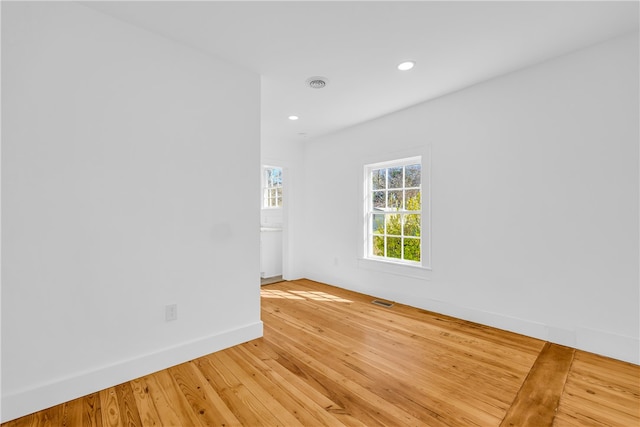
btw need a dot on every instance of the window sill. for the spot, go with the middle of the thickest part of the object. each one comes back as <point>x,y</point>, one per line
<point>399,269</point>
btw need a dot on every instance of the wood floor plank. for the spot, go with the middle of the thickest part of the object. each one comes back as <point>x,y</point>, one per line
<point>405,362</point>
<point>170,402</point>
<point>146,406</point>
<point>72,413</point>
<point>26,421</point>
<point>262,390</point>
<point>329,357</point>
<point>431,348</point>
<point>373,404</point>
<point>600,391</point>
<point>110,408</point>
<point>127,404</point>
<point>565,420</point>
<point>539,397</point>
<point>50,417</point>
<point>204,401</point>
<point>351,404</point>
<point>166,400</point>
<point>235,394</point>
<point>591,394</point>
<point>609,372</point>
<point>296,381</point>
<point>381,320</point>
<point>91,411</point>
<point>372,377</point>
<point>308,411</point>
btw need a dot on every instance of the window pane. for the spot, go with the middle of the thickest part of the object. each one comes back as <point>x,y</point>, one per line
<point>412,200</point>
<point>378,199</point>
<point>394,247</point>
<point>395,199</point>
<point>395,177</point>
<point>412,249</point>
<point>393,224</point>
<point>412,176</point>
<point>378,246</point>
<point>379,179</point>
<point>394,210</point>
<point>277,176</point>
<point>377,224</point>
<point>274,176</point>
<point>412,225</point>
<point>272,182</point>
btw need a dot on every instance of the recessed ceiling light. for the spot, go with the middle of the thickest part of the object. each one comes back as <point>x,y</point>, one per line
<point>317,82</point>
<point>405,66</point>
<point>293,117</point>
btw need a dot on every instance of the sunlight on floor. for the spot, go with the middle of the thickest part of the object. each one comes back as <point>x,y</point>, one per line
<point>269,293</point>
<point>301,295</point>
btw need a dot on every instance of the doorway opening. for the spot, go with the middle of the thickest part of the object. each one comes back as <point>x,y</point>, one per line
<point>271,225</point>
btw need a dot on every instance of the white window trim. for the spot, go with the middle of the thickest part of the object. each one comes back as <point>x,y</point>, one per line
<point>411,269</point>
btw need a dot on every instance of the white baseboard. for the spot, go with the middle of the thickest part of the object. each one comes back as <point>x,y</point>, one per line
<point>620,347</point>
<point>44,396</point>
<point>604,343</point>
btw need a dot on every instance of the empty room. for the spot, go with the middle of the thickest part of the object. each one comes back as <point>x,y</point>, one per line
<point>308,213</point>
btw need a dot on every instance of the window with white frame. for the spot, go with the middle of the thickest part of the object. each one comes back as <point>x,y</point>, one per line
<point>271,187</point>
<point>394,211</point>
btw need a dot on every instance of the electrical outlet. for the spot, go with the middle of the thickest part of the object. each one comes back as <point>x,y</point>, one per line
<point>170,312</point>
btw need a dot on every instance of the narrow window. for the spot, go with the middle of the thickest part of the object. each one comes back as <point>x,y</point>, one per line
<point>394,211</point>
<point>271,187</point>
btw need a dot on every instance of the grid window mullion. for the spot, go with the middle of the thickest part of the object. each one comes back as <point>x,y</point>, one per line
<point>392,205</point>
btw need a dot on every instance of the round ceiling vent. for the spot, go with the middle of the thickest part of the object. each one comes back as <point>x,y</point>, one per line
<point>317,82</point>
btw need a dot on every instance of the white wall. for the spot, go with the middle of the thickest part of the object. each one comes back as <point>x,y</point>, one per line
<point>117,150</point>
<point>534,201</point>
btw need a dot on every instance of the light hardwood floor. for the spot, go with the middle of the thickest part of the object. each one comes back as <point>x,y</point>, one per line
<point>330,357</point>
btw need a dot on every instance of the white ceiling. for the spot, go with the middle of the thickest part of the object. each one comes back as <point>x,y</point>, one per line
<point>358,44</point>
